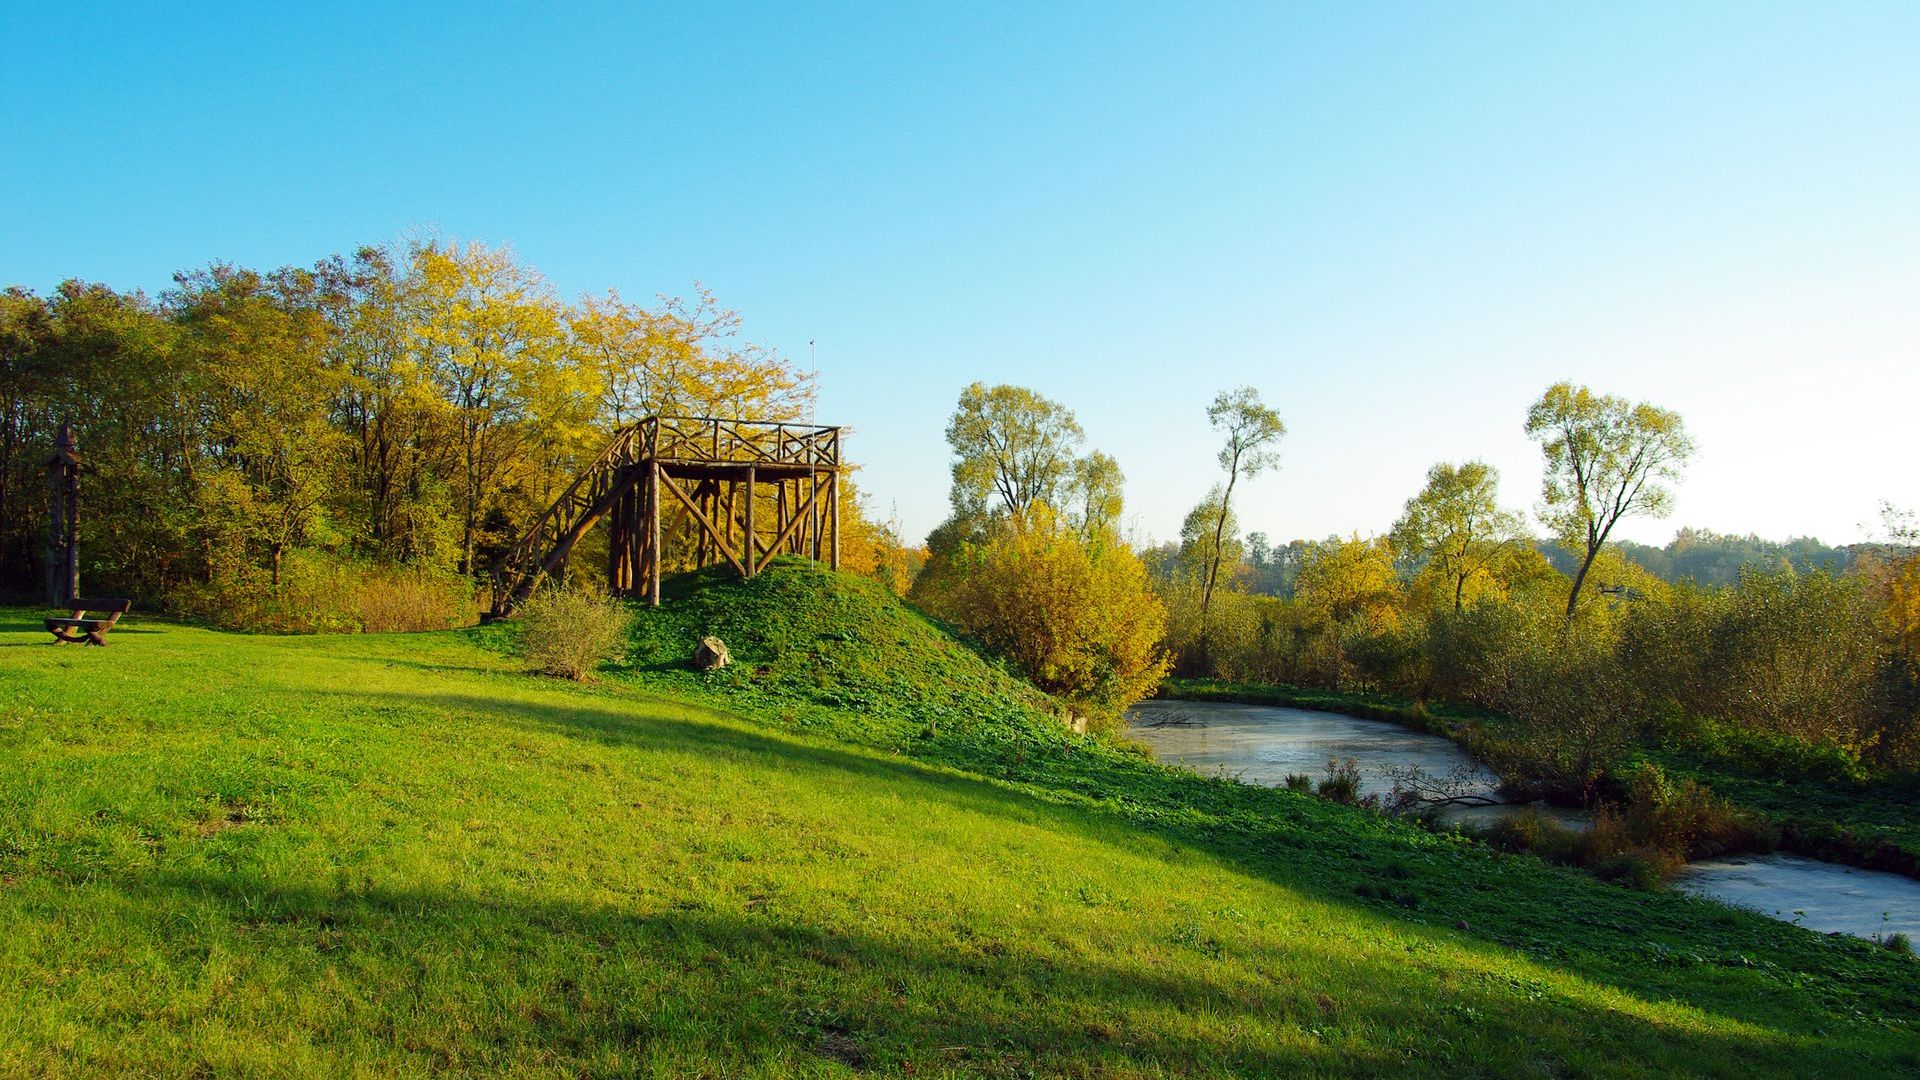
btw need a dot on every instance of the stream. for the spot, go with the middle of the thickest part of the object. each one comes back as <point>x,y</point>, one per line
<point>1262,744</point>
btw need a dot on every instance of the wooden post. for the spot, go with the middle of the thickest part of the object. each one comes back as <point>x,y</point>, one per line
<point>733,494</point>
<point>615,545</point>
<point>833,508</point>
<point>653,529</point>
<point>753,561</point>
<point>642,544</point>
<point>813,518</point>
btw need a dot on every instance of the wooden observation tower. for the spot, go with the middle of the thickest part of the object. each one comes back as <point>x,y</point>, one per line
<point>734,491</point>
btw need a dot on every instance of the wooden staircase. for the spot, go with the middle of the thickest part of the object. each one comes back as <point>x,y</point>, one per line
<point>545,547</point>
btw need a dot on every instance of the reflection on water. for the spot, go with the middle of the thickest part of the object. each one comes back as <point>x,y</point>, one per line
<point>1818,895</point>
<point>1261,744</point>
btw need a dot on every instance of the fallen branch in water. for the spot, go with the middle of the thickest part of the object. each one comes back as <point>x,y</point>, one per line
<point>1415,789</point>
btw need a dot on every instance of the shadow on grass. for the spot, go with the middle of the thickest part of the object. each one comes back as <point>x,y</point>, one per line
<point>500,980</point>
<point>1652,945</point>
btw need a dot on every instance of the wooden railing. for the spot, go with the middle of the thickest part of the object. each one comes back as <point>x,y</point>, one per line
<point>706,440</point>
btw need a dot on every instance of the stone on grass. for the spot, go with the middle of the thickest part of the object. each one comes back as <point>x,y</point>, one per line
<point>711,655</point>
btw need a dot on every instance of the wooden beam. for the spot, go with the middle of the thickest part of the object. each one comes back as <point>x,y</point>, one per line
<point>706,524</point>
<point>833,508</point>
<point>793,524</point>
<point>653,529</point>
<point>753,538</point>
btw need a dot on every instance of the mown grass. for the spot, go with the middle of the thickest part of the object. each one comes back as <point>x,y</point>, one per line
<point>381,855</point>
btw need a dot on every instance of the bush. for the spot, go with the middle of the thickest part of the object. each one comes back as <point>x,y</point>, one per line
<point>1073,614</point>
<point>1342,784</point>
<point>322,594</point>
<point>568,634</point>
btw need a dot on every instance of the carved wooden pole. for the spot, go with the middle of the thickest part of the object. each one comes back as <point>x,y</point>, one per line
<point>63,530</point>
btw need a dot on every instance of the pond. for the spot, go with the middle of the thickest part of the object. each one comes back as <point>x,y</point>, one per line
<point>1262,744</point>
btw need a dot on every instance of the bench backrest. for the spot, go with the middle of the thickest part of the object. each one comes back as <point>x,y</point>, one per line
<point>102,604</point>
<point>112,607</point>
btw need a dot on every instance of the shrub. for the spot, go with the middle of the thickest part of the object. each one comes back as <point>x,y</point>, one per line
<point>568,634</point>
<point>1300,782</point>
<point>1074,614</point>
<point>320,594</point>
<point>1342,784</point>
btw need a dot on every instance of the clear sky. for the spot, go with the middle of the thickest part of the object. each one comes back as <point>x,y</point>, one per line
<point>1399,221</point>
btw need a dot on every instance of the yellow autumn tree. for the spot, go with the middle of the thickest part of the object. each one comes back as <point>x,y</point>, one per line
<point>490,337</point>
<point>682,358</point>
<point>1346,596</point>
<point>1077,618</point>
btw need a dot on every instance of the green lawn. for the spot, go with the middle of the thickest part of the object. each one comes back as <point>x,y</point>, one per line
<point>223,854</point>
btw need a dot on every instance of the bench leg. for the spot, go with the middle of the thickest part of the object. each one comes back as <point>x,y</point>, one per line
<point>97,637</point>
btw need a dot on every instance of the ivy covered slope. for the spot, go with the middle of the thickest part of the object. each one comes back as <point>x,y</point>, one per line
<point>861,849</point>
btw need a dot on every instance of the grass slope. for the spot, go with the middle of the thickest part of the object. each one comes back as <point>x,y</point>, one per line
<point>381,855</point>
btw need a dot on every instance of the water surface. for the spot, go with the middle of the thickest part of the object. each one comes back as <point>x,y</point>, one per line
<point>1262,744</point>
<point>1818,895</point>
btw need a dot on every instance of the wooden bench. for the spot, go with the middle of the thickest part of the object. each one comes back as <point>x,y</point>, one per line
<point>79,628</point>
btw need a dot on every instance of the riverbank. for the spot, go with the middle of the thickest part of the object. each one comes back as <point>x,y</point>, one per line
<point>1819,814</point>
<point>1277,745</point>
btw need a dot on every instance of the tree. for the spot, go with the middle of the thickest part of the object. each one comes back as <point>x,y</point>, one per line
<point>1606,459</point>
<point>1346,594</point>
<point>1902,581</point>
<point>1456,523</point>
<point>259,345</point>
<point>490,330</point>
<point>682,360</point>
<point>25,328</point>
<point>398,505</point>
<point>1013,445</point>
<point>1205,543</point>
<point>1097,488</point>
<point>1252,430</point>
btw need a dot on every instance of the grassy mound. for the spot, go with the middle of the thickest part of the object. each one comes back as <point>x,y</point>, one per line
<point>837,654</point>
<point>403,854</point>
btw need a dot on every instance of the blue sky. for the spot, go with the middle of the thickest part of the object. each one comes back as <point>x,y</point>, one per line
<point>1399,221</point>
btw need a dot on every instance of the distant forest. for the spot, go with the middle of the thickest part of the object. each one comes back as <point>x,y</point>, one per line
<point>1696,556</point>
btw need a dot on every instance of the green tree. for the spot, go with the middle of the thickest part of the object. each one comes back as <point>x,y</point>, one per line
<point>396,503</point>
<point>1012,445</point>
<point>1098,485</point>
<point>1456,524</point>
<point>26,326</point>
<point>1252,431</point>
<point>1606,459</point>
<point>259,345</point>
